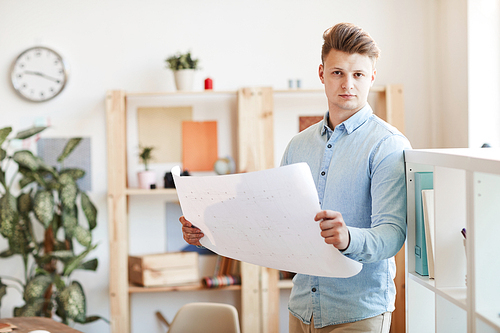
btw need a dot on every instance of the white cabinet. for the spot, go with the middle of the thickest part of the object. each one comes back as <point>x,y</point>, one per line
<point>464,296</point>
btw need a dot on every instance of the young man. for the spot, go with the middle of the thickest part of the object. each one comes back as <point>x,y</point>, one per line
<point>357,163</point>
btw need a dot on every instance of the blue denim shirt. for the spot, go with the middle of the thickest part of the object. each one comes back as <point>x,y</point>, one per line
<point>359,171</point>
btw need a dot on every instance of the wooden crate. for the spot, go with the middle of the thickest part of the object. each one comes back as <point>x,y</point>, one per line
<point>164,269</point>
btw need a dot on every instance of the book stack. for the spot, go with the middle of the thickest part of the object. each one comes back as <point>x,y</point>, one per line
<point>226,273</point>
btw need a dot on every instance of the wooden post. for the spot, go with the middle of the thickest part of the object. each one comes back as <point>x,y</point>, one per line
<point>395,106</point>
<point>250,298</point>
<point>270,300</point>
<point>117,212</point>
<point>255,129</point>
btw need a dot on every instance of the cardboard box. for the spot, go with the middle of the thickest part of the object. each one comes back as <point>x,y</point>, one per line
<point>164,269</point>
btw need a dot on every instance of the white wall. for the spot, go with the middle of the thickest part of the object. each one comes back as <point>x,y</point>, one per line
<point>122,44</point>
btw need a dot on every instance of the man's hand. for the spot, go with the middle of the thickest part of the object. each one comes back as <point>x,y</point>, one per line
<point>333,229</point>
<point>191,234</point>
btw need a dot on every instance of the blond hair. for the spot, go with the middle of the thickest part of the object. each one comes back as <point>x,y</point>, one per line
<point>349,38</point>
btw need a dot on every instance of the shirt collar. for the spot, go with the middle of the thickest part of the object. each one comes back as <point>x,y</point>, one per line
<point>352,123</point>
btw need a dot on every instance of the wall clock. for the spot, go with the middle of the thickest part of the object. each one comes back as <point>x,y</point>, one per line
<point>39,74</point>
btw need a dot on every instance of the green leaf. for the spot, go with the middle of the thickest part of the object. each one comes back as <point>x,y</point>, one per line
<point>26,159</point>
<point>60,285</point>
<point>43,206</point>
<point>3,154</point>
<point>89,210</point>
<point>75,173</point>
<point>73,301</point>
<point>8,215</point>
<point>18,242</point>
<point>82,235</point>
<point>4,133</point>
<point>91,319</point>
<point>32,309</point>
<point>7,253</point>
<point>37,287</point>
<point>3,291</point>
<point>24,203</point>
<point>68,194</point>
<point>30,132</point>
<point>69,220</point>
<point>77,261</point>
<point>90,265</point>
<point>25,181</point>
<point>72,143</point>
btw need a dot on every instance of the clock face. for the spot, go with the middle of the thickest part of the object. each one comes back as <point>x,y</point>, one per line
<point>39,74</point>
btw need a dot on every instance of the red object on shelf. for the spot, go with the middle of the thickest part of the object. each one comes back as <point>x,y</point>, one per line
<point>208,84</point>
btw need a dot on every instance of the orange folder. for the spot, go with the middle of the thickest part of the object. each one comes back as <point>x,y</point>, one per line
<point>199,145</point>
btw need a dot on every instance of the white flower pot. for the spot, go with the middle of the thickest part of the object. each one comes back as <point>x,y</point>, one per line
<point>184,79</point>
<point>146,178</point>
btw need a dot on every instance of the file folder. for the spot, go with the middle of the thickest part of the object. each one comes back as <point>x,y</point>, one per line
<point>423,181</point>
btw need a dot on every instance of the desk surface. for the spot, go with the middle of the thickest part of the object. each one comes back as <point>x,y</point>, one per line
<point>27,324</point>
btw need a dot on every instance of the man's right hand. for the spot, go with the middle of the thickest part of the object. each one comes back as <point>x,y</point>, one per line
<point>191,234</point>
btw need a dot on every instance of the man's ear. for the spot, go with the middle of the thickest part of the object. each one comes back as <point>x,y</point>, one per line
<point>321,73</point>
<point>374,74</point>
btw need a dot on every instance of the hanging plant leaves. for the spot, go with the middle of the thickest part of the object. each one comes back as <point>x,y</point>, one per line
<point>72,143</point>
<point>43,206</point>
<point>8,214</point>
<point>89,210</point>
<point>73,302</point>
<point>30,132</point>
<point>4,133</point>
<point>24,203</point>
<point>26,159</point>
<point>75,173</point>
<point>36,288</point>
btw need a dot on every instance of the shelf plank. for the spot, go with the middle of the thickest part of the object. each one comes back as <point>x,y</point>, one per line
<point>285,284</point>
<point>132,289</point>
<point>158,191</point>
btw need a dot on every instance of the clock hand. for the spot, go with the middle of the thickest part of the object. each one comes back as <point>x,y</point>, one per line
<point>42,75</point>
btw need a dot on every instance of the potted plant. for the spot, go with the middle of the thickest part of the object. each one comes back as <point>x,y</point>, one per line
<point>146,177</point>
<point>40,220</point>
<point>183,66</point>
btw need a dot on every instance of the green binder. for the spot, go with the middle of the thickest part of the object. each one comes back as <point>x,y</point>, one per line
<point>423,181</point>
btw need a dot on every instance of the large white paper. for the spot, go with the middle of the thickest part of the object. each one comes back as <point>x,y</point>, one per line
<point>264,218</point>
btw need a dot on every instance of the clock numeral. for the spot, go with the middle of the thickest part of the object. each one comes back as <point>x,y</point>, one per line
<point>41,93</point>
<point>32,91</point>
<point>51,89</point>
<point>19,76</point>
<point>24,86</point>
<point>38,53</point>
<point>56,62</point>
<point>21,65</point>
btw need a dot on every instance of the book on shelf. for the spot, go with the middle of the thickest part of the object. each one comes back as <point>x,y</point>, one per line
<point>428,205</point>
<point>226,266</point>
<point>423,181</point>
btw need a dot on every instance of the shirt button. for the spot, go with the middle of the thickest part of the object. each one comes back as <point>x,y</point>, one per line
<point>323,173</point>
<point>313,290</point>
<point>329,146</point>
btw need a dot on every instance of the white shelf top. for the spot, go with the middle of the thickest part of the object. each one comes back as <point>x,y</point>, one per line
<point>470,159</point>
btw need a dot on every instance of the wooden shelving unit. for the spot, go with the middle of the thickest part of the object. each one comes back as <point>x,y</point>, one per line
<point>464,294</point>
<point>260,286</point>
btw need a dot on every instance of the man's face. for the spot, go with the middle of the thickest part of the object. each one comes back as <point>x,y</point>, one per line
<point>347,79</point>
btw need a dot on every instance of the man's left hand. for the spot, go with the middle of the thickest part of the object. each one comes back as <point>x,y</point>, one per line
<point>333,229</point>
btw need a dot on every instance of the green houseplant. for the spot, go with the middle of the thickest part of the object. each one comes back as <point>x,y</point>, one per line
<point>146,177</point>
<point>47,200</point>
<point>183,65</point>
